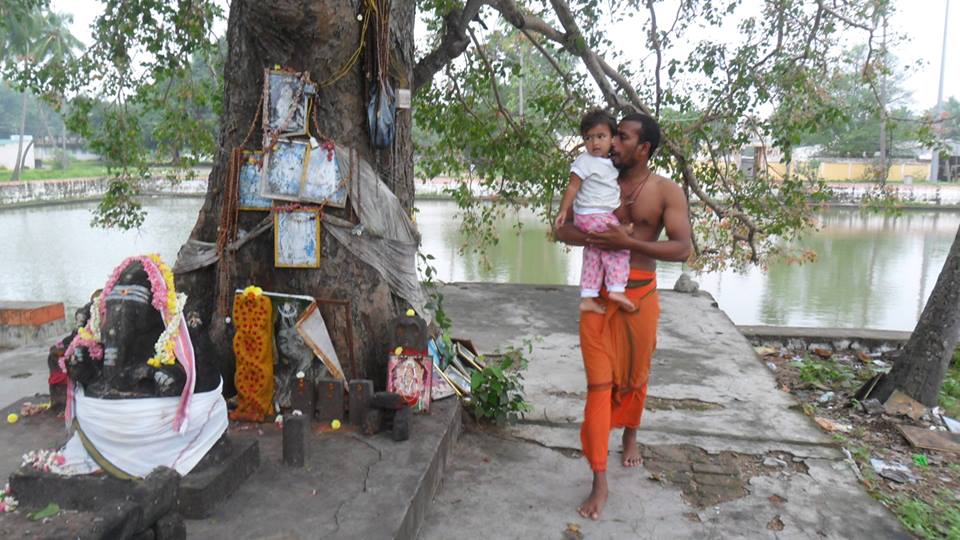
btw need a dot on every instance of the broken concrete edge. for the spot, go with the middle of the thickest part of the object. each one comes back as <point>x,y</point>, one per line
<point>432,479</point>
<point>835,338</point>
<point>395,505</point>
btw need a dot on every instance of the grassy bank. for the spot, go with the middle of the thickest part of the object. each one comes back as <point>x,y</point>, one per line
<point>78,169</point>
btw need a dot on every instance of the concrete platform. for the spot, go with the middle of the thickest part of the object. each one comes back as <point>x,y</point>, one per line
<point>714,396</point>
<point>353,486</point>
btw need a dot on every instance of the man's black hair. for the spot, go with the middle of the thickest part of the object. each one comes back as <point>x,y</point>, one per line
<point>649,129</point>
<point>596,117</point>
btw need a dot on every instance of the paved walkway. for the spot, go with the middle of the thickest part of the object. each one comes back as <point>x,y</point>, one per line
<point>727,454</point>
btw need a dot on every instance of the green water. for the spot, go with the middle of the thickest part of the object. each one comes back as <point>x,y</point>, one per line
<point>873,271</point>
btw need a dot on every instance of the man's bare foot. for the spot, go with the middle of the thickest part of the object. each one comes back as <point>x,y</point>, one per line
<point>631,451</point>
<point>593,505</point>
<point>622,301</point>
<point>591,304</point>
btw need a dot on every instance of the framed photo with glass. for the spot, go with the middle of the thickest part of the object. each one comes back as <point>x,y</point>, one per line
<point>284,168</point>
<point>296,238</point>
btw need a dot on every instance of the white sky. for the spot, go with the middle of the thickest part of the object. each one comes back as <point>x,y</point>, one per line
<point>921,21</point>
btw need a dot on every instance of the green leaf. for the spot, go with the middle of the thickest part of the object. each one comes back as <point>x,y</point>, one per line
<point>50,510</point>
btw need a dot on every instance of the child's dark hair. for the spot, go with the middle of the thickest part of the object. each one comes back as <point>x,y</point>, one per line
<point>596,117</point>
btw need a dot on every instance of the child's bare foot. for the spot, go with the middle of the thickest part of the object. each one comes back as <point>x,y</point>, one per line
<point>591,304</point>
<point>622,301</point>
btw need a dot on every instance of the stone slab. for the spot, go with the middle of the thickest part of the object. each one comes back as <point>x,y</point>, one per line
<point>532,476</point>
<point>115,521</point>
<point>156,494</point>
<point>218,475</point>
<point>351,486</point>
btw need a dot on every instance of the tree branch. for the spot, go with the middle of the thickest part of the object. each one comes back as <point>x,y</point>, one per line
<point>452,44</point>
<point>493,81</point>
<point>655,43</point>
<point>846,20</point>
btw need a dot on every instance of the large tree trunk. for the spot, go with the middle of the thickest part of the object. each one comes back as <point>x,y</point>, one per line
<point>316,36</point>
<point>923,362</point>
<point>23,128</point>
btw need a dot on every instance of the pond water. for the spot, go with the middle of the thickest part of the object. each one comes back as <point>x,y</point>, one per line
<point>873,271</point>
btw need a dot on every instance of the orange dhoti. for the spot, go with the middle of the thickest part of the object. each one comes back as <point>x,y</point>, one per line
<point>617,348</point>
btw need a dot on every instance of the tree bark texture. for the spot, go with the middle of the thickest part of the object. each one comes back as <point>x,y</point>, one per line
<point>316,36</point>
<point>923,362</point>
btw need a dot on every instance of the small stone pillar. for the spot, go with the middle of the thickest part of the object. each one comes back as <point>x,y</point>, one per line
<point>302,398</point>
<point>329,400</point>
<point>361,390</point>
<point>296,429</point>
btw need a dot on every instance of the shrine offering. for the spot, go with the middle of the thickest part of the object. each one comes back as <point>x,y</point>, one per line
<point>409,374</point>
<point>253,348</point>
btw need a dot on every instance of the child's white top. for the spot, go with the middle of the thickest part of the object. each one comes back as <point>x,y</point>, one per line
<point>599,191</point>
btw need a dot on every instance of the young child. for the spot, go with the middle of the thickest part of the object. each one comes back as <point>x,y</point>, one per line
<point>594,195</point>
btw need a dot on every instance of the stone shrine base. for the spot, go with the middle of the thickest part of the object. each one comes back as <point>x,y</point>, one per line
<point>351,486</point>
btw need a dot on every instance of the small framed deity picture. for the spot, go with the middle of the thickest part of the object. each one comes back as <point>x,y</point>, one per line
<point>323,182</point>
<point>296,238</point>
<point>472,359</point>
<point>284,168</point>
<point>441,387</point>
<point>286,103</point>
<point>410,375</point>
<point>313,330</point>
<point>459,380</point>
<point>251,162</point>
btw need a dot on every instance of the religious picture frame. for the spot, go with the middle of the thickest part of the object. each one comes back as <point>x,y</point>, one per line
<point>411,376</point>
<point>286,103</point>
<point>459,380</point>
<point>313,329</point>
<point>296,238</point>
<point>248,182</point>
<point>323,182</point>
<point>468,356</point>
<point>441,388</point>
<point>284,169</point>
<point>437,394</point>
<point>459,366</point>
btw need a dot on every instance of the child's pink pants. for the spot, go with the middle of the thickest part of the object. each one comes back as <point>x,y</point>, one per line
<point>601,267</point>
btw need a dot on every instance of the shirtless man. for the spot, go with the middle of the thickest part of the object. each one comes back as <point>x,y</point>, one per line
<point>617,346</point>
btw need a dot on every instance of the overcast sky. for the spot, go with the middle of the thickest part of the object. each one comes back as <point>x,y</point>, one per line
<point>921,21</point>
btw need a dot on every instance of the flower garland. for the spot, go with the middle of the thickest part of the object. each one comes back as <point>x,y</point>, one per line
<point>7,502</point>
<point>44,460</point>
<point>87,336</point>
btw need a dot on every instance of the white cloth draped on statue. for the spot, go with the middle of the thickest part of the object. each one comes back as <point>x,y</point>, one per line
<point>135,436</point>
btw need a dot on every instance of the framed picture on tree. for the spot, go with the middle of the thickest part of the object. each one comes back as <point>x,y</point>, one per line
<point>251,162</point>
<point>284,168</point>
<point>296,238</point>
<point>323,182</point>
<point>286,103</point>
